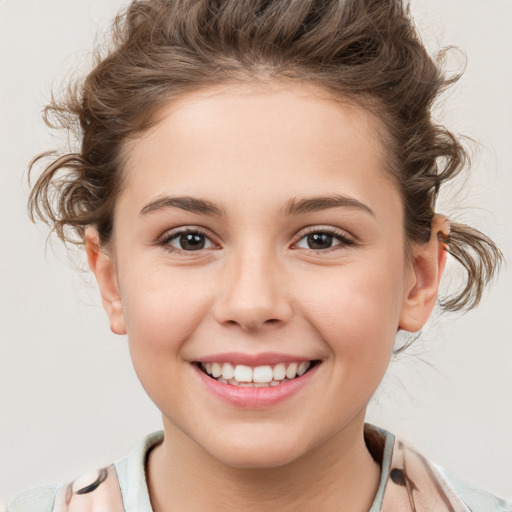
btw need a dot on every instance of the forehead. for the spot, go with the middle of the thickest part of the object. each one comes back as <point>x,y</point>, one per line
<point>272,139</point>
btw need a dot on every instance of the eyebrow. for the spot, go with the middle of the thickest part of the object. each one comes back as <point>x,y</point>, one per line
<point>294,206</point>
<point>190,204</point>
<point>313,204</point>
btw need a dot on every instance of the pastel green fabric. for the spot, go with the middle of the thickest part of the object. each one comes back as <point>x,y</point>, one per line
<point>408,483</point>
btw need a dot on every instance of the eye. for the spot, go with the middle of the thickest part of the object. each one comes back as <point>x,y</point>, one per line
<point>186,241</point>
<point>323,239</point>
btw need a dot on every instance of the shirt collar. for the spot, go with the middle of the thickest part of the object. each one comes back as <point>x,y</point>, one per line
<point>132,475</point>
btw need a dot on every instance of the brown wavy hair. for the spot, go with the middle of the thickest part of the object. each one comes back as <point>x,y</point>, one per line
<point>366,51</point>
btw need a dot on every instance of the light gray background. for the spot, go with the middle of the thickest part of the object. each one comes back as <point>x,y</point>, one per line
<point>69,399</point>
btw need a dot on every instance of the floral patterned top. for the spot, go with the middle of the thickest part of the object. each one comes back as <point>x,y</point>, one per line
<point>408,483</point>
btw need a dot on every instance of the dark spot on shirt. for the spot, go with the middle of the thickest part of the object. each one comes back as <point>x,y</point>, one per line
<point>397,476</point>
<point>94,485</point>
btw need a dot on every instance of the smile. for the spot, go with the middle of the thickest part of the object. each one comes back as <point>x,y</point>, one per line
<point>255,376</point>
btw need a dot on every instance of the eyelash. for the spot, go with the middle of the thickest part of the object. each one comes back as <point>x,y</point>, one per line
<point>343,239</point>
<point>165,241</point>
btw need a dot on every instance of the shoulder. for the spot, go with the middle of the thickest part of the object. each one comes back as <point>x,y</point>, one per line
<point>476,499</point>
<point>118,487</point>
<point>97,491</point>
<point>38,499</point>
<point>430,487</point>
<point>409,481</point>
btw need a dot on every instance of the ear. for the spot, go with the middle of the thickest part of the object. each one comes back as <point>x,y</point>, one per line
<point>429,261</point>
<point>103,268</point>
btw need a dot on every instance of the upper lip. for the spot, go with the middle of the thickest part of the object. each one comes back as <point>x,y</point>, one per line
<point>264,358</point>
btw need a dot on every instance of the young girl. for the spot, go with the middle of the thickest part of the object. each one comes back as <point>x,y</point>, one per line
<point>256,193</point>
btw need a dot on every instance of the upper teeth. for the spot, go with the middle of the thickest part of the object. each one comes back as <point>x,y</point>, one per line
<point>257,374</point>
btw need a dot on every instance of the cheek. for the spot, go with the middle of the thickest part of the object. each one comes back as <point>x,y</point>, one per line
<point>356,310</point>
<point>162,310</point>
<point>356,295</point>
<point>163,306</point>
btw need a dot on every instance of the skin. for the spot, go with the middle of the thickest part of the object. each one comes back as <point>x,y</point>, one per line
<point>257,286</point>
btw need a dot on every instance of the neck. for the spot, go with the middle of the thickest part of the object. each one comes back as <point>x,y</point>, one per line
<point>338,475</point>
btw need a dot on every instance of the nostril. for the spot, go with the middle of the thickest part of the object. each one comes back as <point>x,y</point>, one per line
<point>253,324</point>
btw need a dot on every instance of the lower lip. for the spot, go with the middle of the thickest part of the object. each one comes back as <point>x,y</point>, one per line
<point>255,397</point>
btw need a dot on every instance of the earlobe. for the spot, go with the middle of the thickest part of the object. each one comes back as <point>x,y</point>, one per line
<point>103,268</point>
<point>429,261</point>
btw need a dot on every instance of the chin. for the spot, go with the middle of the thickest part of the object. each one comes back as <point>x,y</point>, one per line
<point>256,452</point>
<point>247,458</point>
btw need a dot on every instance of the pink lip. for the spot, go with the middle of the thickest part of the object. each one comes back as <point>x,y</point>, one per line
<point>265,358</point>
<point>255,397</point>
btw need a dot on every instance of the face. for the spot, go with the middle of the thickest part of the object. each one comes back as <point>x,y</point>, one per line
<point>257,234</point>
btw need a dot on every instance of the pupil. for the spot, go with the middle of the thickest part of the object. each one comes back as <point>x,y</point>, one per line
<point>192,241</point>
<point>319,241</point>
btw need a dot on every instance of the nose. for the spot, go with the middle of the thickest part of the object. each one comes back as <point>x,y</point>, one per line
<point>253,293</point>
